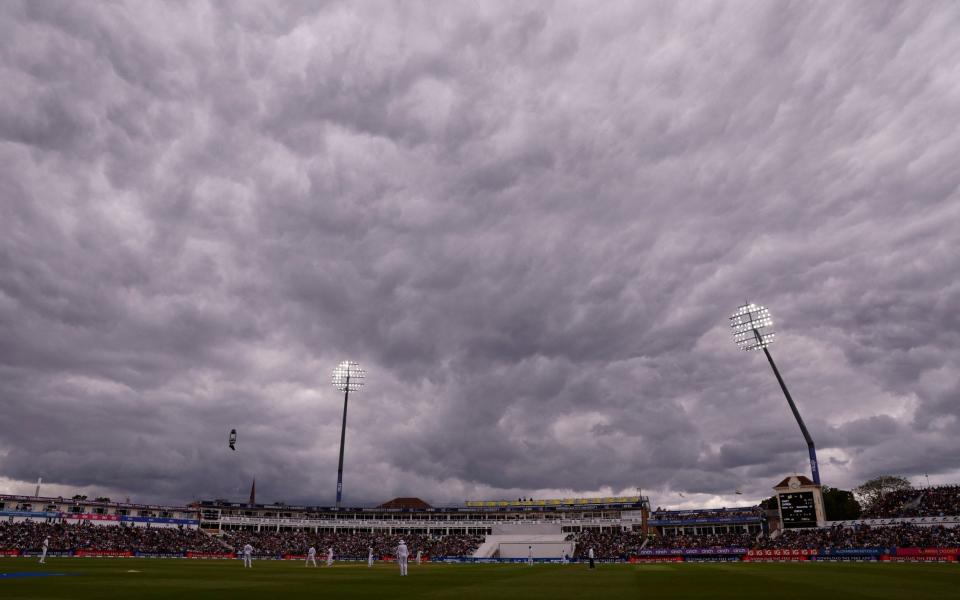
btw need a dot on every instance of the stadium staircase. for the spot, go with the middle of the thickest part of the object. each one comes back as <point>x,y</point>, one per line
<point>911,504</point>
<point>515,546</point>
<point>487,549</point>
<point>227,547</point>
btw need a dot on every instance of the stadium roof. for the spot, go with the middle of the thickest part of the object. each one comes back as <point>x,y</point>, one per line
<point>803,479</point>
<point>415,503</point>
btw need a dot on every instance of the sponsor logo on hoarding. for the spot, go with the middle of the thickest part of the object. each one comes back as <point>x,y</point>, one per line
<point>781,552</point>
<point>926,551</point>
<point>691,551</point>
<point>29,514</point>
<point>159,520</point>
<point>705,520</point>
<point>855,551</point>
<point>89,517</point>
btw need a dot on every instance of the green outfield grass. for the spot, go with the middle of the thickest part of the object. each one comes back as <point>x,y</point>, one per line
<point>131,579</point>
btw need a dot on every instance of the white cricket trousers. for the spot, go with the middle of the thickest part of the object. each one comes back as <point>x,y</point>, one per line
<point>247,561</point>
<point>402,561</point>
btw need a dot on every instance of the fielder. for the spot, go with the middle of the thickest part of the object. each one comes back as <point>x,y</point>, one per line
<point>529,556</point>
<point>419,557</point>
<point>46,545</point>
<point>330,556</point>
<point>311,557</point>
<point>247,558</point>
<point>590,556</point>
<point>402,554</point>
<point>370,557</point>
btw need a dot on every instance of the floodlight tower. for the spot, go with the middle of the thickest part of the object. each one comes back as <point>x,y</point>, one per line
<point>347,377</point>
<point>747,324</point>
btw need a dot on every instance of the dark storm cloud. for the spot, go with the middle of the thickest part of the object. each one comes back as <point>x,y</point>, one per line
<point>528,222</point>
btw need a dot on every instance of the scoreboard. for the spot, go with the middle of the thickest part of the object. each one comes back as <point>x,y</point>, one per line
<point>797,509</point>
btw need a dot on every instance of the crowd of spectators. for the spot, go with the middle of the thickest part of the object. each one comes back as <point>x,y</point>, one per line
<point>930,502</point>
<point>740,539</point>
<point>864,536</point>
<point>29,535</point>
<point>623,544</point>
<point>352,545</point>
<point>706,514</point>
<point>607,544</point>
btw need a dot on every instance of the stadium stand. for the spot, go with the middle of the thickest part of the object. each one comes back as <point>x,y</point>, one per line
<point>707,540</point>
<point>929,502</point>
<point>28,535</point>
<point>713,515</point>
<point>608,544</point>
<point>616,528</point>
<point>351,545</point>
<point>904,535</point>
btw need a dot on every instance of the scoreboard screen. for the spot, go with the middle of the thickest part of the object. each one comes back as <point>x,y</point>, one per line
<point>798,510</point>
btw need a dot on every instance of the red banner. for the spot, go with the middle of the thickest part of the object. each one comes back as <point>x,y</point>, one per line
<point>927,551</point>
<point>209,555</point>
<point>919,558</point>
<point>89,517</point>
<point>104,553</point>
<point>9,553</point>
<point>782,552</point>
<point>774,558</point>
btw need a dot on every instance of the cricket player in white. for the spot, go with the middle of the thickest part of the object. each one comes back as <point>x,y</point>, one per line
<point>370,556</point>
<point>247,559</point>
<point>46,545</point>
<point>419,557</point>
<point>530,555</point>
<point>330,556</point>
<point>590,556</point>
<point>311,557</point>
<point>402,554</point>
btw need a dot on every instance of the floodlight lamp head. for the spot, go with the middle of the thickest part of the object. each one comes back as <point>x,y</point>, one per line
<point>752,327</point>
<point>348,376</point>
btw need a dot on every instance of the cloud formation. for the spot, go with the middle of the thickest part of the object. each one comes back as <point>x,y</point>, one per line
<point>528,222</point>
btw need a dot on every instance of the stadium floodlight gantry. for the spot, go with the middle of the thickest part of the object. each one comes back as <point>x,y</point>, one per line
<point>347,377</point>
<point>752,330</point>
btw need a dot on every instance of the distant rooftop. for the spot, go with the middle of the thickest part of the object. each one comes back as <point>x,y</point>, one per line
<point>527,503</point>
<point>407,503</point>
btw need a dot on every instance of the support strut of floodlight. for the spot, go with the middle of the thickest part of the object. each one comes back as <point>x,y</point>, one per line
<point>347,377</point>
<point>746,324</point>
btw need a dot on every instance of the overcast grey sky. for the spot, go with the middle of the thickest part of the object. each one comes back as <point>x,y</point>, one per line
<point>528,221</point>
